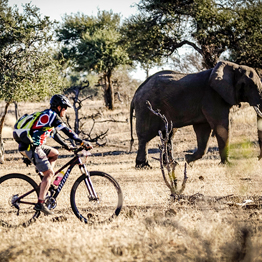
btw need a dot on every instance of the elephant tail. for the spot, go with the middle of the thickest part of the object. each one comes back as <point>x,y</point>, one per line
<point>131,124</point>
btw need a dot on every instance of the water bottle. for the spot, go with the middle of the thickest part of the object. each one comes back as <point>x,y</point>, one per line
<point>59,178</point>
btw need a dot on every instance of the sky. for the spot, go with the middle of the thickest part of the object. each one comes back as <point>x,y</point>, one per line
<point>56,9</point>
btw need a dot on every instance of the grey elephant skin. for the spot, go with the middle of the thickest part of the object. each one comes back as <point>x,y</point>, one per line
<point>202,99</point>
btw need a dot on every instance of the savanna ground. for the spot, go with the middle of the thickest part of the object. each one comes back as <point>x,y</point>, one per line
<point>209,222</point>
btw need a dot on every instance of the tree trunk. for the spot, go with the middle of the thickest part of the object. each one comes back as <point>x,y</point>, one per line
<point>147,73</point>
<point>1,137</point>
<point>16,110</point>
<point>210,55</point>
<point>76,109</point>
<point>109,92</point>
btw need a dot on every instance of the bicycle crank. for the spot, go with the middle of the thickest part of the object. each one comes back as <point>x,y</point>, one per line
<point>50,203</point>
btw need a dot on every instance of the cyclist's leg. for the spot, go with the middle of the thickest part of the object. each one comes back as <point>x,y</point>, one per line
<point>52,154</point>
<point>45,184</point>
<point>42,163</point>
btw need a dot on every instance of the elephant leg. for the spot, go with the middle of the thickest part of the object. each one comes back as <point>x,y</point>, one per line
<point>221,132</point>
<point>141,158</point>
<point>203,132</point>
<point>259,133</point>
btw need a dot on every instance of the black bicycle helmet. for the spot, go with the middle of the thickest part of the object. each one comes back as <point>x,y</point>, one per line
<point>59,100</point>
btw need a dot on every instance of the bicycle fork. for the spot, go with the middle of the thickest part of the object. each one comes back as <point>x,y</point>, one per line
<point>92,193</point>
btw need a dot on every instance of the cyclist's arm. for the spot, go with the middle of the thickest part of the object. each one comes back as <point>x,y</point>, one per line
<point>59,140</point>
<point>59,125</point>
<point>67,131</point>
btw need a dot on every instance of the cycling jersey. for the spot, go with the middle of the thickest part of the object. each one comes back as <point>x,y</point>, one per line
<point>49,122</point>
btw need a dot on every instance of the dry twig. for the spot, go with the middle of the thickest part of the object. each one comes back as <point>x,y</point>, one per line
<point>166,159</point>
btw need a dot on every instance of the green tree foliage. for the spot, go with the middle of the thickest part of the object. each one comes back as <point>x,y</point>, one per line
<point>27,68</point>
<point>248,49</point>
<point>142,38</point>
<point>91,44</point>
<point>28,71</point>
<point>209,26</point>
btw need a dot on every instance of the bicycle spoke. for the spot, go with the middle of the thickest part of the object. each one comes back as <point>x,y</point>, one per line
<point>103,209</point>
<point>14,213</point>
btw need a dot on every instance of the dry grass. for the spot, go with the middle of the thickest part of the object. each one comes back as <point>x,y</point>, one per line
<point>151,226</point>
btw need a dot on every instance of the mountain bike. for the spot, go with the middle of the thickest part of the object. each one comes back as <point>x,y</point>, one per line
<point>95,197</point>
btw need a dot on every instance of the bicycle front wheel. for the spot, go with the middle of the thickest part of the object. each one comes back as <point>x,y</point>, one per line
<point>101,210</point>
<point>18,195</point>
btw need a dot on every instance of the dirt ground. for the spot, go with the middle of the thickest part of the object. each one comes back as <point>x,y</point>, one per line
<point>217,217</point>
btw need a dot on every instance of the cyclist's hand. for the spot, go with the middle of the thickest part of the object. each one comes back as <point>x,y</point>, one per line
<point>87,145</point>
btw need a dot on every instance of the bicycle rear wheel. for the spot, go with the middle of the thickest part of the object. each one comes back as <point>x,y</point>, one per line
<point>20,213</point>
<point>106,207</point>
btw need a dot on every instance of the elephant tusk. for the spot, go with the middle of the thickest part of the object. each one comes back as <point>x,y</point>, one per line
<point>259,113</point>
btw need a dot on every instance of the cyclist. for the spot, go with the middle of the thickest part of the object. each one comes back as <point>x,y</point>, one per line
<point>44,157</point>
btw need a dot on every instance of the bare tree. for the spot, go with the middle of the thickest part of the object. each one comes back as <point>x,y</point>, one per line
<point>77,103</point>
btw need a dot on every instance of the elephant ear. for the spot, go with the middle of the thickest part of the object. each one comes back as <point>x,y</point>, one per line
<point>222,81</point>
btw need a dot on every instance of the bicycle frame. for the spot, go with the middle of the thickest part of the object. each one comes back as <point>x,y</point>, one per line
<point>75,161</point>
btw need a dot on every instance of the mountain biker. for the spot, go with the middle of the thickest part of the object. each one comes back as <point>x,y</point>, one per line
<point>44,157</point>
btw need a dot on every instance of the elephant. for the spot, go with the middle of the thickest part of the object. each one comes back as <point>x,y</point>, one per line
<point>200,99</point>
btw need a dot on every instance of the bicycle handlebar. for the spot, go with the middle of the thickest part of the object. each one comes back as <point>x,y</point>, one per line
<point>83,147</point>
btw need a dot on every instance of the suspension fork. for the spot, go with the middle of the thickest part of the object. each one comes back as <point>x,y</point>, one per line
<point>88,182</point>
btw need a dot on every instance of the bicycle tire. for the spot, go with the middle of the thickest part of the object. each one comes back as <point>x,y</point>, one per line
<point>12,186</point>
<point>110,199</point>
